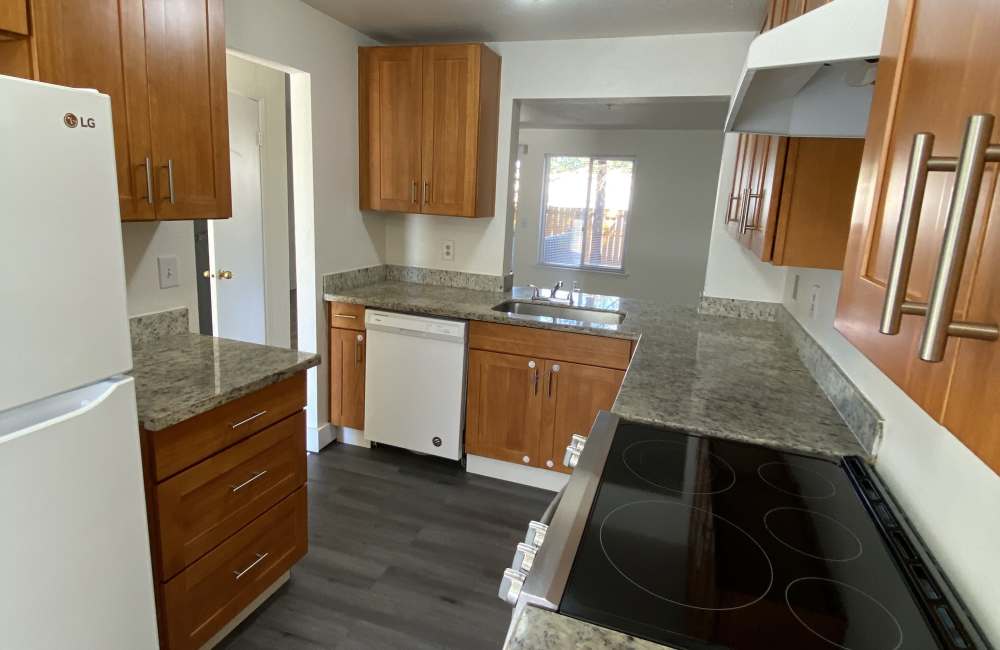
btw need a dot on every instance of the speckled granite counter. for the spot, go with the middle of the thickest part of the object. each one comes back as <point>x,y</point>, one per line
<point>182,375</point>
<point>723,377</point>
<point>539,629</point>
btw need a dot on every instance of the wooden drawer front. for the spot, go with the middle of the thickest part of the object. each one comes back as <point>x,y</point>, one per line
<point>192,441</point>
<point>347,316</point>
<point>206,595</point>
<point>203,505</point>
<point>558,346</point>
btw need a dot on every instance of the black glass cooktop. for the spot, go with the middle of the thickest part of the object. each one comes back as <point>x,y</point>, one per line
<point>704,543</point>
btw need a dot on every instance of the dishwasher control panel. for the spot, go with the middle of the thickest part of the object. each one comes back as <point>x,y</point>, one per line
<point>414,325</point>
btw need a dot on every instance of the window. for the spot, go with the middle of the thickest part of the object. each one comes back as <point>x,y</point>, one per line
<point>585,211</point>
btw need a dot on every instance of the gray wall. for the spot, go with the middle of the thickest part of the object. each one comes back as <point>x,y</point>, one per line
<point>666,249</point>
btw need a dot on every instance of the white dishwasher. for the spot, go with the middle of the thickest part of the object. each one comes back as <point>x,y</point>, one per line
<point>415,383</point>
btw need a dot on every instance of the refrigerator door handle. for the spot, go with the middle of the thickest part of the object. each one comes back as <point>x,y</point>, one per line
<point>31,417</point>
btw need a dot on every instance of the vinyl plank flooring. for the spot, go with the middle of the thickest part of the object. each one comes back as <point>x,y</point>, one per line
<point>405,551</point>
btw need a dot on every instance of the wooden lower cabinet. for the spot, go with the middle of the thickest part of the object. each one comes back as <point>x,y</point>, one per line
<point>574,393</point>
<point>504,407</point>
<point>524,409</point>
<point>210,592</point>
<point>226,505</point>
<point>347,378</point>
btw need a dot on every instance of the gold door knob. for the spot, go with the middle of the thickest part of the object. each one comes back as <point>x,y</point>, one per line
<point>226,275</point>
<point>207,274</point>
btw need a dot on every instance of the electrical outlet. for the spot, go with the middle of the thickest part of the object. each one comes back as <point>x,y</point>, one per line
<point>448,250</point>
<point>167,265</point>
<point>795,288</point>
<point>814,301</point>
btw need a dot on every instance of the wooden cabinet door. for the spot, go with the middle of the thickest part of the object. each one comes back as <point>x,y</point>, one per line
<point>756,191</point>
<point>347,378</point>
<point>99,44</point>
<point>186,75</point>
<point>450,129</point>
<point>739,197</point>
<point>574,393</point>
<point>504,407</point>
<point>820,177</point>
<point>765,221</point>
<point>390,112</point>
<point>917,90</point>
<point>13,18</point>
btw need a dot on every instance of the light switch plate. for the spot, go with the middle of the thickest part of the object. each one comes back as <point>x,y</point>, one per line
<point>167,265</point>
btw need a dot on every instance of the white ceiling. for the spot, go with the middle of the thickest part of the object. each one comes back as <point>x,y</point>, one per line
<point>640,113</point>
<point>415,21</point>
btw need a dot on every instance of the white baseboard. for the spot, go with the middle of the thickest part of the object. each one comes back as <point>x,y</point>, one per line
<point>316,439</point>
<point>245,612</point>
<point>534,476</point>
<point>355,437</point>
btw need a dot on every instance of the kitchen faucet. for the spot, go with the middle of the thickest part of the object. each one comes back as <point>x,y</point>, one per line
<point>557,287</point>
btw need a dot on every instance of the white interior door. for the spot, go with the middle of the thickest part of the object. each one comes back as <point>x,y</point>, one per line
<point>237,245</point>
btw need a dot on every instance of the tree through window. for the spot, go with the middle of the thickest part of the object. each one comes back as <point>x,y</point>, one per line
<point>585,211</point>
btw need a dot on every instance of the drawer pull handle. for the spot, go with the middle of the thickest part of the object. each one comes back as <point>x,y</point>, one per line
<point>249,419</point>
<point>975,153</point>
<point>260,558</point>
<point>345,316</point>
<point>237,488</point>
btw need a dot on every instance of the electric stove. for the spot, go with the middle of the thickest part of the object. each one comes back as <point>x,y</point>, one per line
<point>703,543</point>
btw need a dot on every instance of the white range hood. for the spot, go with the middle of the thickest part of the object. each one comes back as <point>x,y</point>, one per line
<point>814,75</point>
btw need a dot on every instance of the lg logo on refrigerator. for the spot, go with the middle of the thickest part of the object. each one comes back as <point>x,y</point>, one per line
<point>73,121</point>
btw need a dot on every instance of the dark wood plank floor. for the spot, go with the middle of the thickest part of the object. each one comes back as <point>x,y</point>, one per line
<point>404,552</point>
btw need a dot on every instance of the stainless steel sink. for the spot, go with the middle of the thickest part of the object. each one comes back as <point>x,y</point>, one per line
<point>560,311</point>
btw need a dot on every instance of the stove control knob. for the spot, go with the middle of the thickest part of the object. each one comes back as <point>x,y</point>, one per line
<point>573,450</point>
<point>510,586</point>
<point>524,557</point>
<point>536,534</point>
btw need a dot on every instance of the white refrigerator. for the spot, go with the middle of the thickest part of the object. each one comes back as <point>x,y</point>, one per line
<point>74,549</point>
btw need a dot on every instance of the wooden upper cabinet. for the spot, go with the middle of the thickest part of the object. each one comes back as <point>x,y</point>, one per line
<point>428,118</point>
<point>792,196</point>
<point>391,104</point>
<point>504,407</point>
<point>816,198</point>
<point>99,44</point>
<point>922,45</point>
<point>186,64</point>
<point>163,65</point>
<point>574,393</point>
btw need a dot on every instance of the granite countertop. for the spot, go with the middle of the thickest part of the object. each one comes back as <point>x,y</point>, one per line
<point>183,375</point>
<point>540,629</point>
<point>724,377</point>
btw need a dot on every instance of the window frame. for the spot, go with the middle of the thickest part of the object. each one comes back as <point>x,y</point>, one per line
<point>628,218</point>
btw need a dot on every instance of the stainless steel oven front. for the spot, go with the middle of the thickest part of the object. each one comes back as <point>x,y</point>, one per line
<point>543,561</point>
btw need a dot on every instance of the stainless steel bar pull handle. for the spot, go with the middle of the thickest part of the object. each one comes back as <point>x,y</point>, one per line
<point>149,181</point>
<point>968,167</point>
<point>955,243</point>
<point>249,419</point>
<point>237,488</point>
<point>170,180</point>
<point>906,233</point>
<point>260,558</point>
<point>756,213</point>
<point>746,209</point>
<point>413,192</point>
